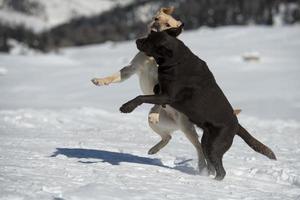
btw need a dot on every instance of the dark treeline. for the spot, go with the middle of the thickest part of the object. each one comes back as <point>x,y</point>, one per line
<point>21,34</point>
<point>23,6</point>
<point>128,22</point>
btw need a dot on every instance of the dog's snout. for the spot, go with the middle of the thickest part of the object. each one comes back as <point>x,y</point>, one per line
<point>139,43</point>
<point>155,26</point>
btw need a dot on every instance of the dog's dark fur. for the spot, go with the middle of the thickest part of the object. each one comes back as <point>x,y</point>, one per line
<point>186,83</point>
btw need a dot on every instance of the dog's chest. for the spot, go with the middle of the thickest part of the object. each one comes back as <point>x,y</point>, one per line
<point>148,76</point>
<point>166,78</point>
<point>166,73</point>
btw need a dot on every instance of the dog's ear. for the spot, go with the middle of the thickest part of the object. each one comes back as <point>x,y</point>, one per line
<point>174,32</point>
<point>167,11</point>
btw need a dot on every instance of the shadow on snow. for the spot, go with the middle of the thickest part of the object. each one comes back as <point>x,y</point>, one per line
<point>115,158</point>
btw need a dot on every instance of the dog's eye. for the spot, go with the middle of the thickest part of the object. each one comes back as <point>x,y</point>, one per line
<point>168,25</point>
<point>155,19</point>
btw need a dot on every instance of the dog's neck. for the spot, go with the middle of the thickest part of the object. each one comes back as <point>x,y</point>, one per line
<point>162,63</point>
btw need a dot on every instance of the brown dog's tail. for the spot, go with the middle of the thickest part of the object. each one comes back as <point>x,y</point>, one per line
<point>255,144</point>
<point>237,111</point>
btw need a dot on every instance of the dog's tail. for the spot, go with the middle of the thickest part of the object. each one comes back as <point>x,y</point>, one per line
<point>237,111</point>
<point>255,144</point>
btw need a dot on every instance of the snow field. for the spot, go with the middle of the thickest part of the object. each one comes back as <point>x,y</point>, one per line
<point>63,138</point>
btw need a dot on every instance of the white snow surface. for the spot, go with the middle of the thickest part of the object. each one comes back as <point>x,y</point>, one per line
<point>3,71</point>
<point>64,138</point>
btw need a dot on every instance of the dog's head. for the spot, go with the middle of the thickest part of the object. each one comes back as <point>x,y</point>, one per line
<point>164,21</point>
<point>160,45</point>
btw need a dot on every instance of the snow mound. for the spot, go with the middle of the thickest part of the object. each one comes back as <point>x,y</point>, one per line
<point>251,56</point>
<point>19,48</point>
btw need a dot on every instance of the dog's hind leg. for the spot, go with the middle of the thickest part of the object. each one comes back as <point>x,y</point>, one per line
<point>164,126</point>
<point>161,144</point>
<point>204,144</point>
<point>219,141</point>
<point>189,130</point>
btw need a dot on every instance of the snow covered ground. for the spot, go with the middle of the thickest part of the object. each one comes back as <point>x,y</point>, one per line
<point>64,138</point>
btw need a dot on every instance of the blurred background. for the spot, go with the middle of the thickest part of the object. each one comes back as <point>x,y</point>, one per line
<point>242,41</point>
<point>48,25</point>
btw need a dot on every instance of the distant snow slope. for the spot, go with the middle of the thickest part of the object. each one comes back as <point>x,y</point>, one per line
<point>55,12</point>
<point>63,138</point>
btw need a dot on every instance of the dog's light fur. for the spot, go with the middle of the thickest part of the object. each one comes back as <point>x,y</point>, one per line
<point>163,121</point>
<point>163,20</point>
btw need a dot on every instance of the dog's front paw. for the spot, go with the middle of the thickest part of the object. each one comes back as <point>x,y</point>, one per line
<point>128,107</point>
<point>101,81</point>
<point>154,118</point>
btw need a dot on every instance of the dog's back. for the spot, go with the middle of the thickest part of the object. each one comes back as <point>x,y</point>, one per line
<point>194,91</point>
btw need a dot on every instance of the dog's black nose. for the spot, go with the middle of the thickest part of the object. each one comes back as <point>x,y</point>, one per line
<point>155,26</point>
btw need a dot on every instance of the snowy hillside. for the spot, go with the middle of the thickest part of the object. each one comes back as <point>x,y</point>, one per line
<point>64,138</point>
<point>55,12</point>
